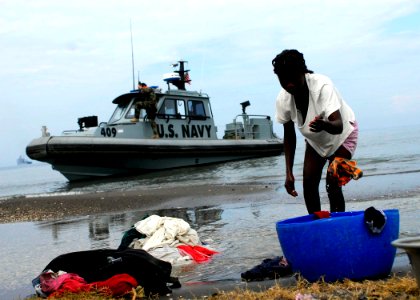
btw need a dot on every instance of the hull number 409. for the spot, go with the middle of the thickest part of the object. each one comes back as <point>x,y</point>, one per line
<point>109,132</point>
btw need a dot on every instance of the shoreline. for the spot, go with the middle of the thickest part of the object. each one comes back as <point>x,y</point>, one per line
<point>53,207</point>
<point>43,208</point>
<point>48,207</point>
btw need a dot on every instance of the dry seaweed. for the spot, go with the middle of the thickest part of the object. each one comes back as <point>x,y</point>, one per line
<point>393,288</point>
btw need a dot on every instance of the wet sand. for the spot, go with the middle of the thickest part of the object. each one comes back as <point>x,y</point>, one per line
<point>55,207</point>
<point>43,208</point>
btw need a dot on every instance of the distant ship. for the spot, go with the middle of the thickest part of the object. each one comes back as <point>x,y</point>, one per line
<point>23,161</point>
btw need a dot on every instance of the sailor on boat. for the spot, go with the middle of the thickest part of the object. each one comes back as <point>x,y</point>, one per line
<point>146,101</point>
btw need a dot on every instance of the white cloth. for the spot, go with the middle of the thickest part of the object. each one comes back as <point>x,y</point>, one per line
<point>162,231</point>
<point>171,255</point>
<point>324,99</point>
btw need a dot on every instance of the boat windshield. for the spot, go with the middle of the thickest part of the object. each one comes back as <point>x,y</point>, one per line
<point>118,113</point>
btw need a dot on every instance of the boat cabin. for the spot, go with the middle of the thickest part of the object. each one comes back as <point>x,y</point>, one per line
<point>181,114</point>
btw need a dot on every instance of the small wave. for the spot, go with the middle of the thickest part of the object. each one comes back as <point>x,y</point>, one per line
<point>366,174</point>
<point>54,194</point>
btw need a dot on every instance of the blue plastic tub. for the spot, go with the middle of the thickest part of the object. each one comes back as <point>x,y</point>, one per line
<point>338,247</point>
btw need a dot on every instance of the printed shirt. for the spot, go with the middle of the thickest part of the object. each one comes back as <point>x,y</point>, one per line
<point>324,99</point>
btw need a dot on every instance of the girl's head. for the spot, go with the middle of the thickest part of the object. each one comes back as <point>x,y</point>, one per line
<point>290,68</point>
<point>290,60</point>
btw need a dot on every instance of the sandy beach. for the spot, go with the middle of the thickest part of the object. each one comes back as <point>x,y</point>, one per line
<point>245,204</point>
<point>42,208</point>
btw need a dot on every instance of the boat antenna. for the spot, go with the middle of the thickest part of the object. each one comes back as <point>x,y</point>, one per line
<point>132,53</point>
<point>180,84</point>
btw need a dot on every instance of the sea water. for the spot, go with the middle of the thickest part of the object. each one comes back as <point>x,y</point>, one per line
<point>380,152</point>
<point>244,233</point>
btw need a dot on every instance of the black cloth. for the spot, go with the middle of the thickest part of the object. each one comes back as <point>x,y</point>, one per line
<point>97,265</point>
<point>270,268</point>
<point>375,219</point>
<point>128,237</point>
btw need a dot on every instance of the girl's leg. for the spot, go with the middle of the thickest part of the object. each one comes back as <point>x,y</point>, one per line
<point>336,197</point>
<point>312,171</point>
<point>335,192</point>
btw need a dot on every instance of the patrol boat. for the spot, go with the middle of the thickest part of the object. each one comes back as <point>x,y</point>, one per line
<point>187,136</point>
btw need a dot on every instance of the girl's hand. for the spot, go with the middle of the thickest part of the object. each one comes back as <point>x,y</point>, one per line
<point>317,124</point>
<point>290,185</point>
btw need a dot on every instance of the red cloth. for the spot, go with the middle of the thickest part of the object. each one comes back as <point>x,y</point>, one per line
<point>116,286</point>
<point>322,214</point>
<point>70,284</point>
<point>50,281</point>
<point>197,253</point>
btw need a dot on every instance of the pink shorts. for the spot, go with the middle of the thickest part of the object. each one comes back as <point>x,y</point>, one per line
<point>351,142</point>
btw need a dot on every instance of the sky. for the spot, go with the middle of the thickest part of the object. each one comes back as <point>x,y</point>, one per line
<point>62,60</point>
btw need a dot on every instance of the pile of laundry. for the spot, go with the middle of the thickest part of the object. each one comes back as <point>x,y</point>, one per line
<point>169,239</point>
<point>108,271</point>
<point>144,259</point>
<point>269,268</point>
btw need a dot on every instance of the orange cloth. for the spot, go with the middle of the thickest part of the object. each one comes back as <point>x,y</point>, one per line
<point>343,170</point>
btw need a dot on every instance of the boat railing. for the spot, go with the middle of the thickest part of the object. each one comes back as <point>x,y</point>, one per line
<point>190,117</point>
<point>69,132</point>
<point>252,127</point>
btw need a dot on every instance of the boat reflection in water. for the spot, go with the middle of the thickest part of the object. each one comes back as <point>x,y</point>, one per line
<point>186,130</point>
<point>99,226</point>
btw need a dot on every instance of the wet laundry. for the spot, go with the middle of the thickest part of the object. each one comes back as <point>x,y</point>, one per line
<point>56,284</point>
<point>167,238</point>
<point>152,274</point>
<point>322,214</point>
<point>375,219</point>
<point>270,268</point>
<point>343,170</point>
<point>164,231</point>
<point>144,258</point>
<point>197,253</point>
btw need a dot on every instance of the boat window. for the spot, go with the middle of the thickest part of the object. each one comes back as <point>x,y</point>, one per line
<point>181,108</point>
<point>196,109</point>
<point>172,108</point>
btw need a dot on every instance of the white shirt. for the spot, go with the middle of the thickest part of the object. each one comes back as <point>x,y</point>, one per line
<point>324,99</point>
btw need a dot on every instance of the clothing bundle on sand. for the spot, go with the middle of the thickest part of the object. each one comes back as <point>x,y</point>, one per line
<point>166,238</point>
<point>269,268</point>
<point>144,257</point>
<point>134,267</point>
<point>57,284</point>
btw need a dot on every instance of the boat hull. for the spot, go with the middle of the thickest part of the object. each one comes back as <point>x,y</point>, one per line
<point>79,158</point>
